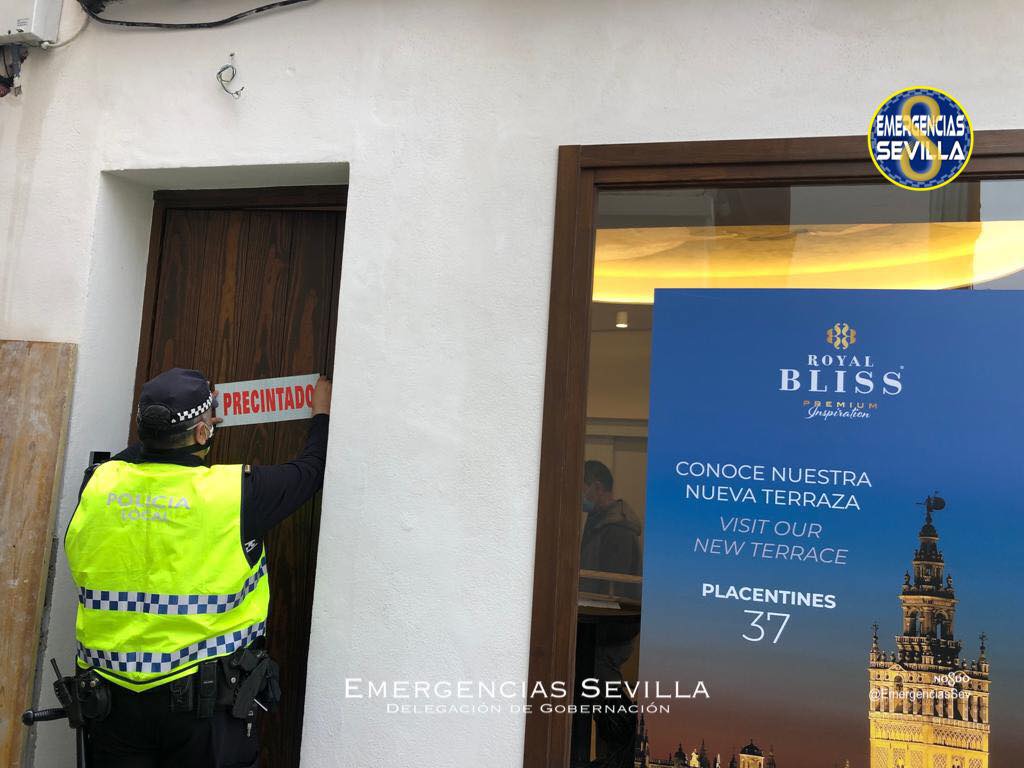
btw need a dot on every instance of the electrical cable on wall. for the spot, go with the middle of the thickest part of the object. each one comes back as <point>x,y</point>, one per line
<point>90,7</point>
<point>48,46</point>
<point>13,53</point>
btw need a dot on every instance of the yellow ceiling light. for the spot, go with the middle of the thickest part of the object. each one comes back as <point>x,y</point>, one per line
<point>631,263</point>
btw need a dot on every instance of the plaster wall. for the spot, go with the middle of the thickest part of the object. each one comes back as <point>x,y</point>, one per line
<point>448,115</point>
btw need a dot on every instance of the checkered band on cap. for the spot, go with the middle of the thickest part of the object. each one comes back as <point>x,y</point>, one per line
<point>146,662</point>
<point>170,605</point>
<point>192,413</point>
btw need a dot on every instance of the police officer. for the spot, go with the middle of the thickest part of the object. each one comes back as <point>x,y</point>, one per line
<point>168,557</point>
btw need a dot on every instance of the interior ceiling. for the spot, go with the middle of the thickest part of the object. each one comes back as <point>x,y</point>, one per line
<point>631,262</point>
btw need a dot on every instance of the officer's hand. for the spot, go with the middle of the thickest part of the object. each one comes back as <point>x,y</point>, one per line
<point>322,396</point>
<point>216,419</point>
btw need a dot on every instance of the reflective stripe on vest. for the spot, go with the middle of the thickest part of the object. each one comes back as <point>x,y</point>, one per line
<point>145,662</point>
<point>175,605</point>
<point>156,553</point>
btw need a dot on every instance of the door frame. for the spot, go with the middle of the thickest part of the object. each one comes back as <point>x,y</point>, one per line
<point>582,172</point>
<point>324,197</point>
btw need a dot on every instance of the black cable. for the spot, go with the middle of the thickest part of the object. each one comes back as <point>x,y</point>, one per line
<point>193,25</point>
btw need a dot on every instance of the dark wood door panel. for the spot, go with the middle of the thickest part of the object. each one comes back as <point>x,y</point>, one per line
<point>243,294</point>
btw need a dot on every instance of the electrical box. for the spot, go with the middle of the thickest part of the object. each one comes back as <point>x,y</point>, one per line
<point>29,21</point>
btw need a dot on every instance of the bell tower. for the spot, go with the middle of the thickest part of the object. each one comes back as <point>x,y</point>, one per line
<point>928,601</point>
<point>928,708</point>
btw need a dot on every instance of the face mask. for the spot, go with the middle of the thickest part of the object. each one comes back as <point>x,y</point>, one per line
<point>209,435</point>
<point>588,505</point>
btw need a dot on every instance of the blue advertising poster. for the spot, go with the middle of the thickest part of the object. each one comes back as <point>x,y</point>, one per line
<point>832,558</point>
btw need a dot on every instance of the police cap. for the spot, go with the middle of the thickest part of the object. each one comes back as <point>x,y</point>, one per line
<point>173,401</point>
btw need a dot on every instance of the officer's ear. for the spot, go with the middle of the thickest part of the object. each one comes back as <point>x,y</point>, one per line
<point>201,433</point>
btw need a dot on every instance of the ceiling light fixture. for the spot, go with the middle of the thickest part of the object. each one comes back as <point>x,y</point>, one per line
<point>621,319</point>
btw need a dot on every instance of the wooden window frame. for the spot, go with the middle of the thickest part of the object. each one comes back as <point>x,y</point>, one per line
<point>582,172</point>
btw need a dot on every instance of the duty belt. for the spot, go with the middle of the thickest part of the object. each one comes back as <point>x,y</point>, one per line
<point>244,682</point>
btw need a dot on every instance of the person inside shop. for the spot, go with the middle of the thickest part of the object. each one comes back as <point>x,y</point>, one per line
<point>611,545</point>
<point>611,534</point>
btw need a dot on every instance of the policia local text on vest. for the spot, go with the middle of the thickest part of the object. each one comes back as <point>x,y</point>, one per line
<point>168,558</point>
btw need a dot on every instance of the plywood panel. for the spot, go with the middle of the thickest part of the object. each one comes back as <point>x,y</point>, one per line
<point>35,397</point>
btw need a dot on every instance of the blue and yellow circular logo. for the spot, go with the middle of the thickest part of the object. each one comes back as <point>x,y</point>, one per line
<point>920,138</point>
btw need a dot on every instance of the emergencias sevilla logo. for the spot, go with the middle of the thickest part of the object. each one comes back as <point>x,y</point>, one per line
<point>841,336</point>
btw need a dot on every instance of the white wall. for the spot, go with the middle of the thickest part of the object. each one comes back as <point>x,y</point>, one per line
<point>449,114</point>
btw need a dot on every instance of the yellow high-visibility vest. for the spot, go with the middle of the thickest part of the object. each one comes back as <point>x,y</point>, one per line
<point>163,582</point>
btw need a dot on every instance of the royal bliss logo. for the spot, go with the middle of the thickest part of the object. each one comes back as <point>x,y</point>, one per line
<point>844,384</point>
<point>841,336</point>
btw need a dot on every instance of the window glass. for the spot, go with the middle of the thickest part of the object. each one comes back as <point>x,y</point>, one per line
<point>965,235</point>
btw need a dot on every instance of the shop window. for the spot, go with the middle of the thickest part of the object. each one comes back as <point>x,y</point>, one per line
<point>962,236</point>
<point>768,214</point>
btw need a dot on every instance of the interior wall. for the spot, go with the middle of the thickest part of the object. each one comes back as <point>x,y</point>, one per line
<point>611,393</point>
<point>618,400</point>
<point>450,114</point>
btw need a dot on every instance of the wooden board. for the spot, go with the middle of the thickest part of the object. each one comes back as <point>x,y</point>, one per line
<point>35,398</point>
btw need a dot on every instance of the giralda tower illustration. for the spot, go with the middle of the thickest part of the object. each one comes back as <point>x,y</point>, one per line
<point>928,708</point>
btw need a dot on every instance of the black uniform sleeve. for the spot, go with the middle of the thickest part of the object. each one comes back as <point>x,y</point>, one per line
<point>271,493</point>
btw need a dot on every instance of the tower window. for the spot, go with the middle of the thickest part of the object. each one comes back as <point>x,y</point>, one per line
<point>914,625</point>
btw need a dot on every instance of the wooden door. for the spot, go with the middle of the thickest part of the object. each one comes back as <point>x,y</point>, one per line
<point>244,285</point>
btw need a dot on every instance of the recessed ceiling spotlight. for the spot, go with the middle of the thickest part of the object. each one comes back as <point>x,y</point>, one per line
<point>621,319</point>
